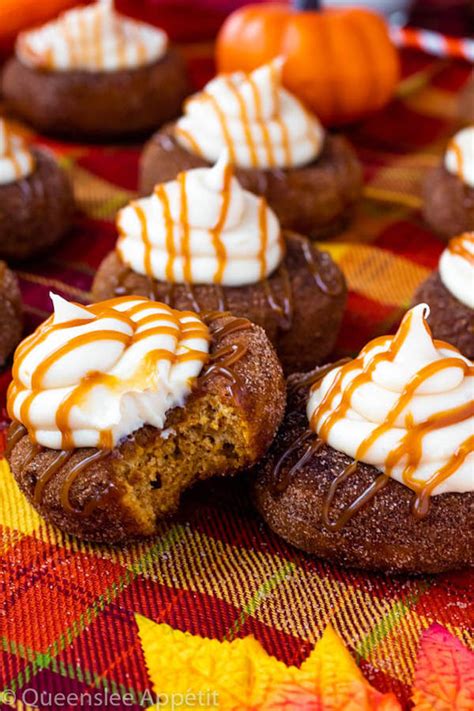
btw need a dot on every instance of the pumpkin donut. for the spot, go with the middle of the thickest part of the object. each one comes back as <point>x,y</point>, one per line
<point>310,180</point>
<point>36,199</point>
<point>345,478</point>
<point>449,292</point>
<point>133,403</point>
<point>247,266</point>
<point>11,312</point>
<point>448,190</point>
<point>127,84</point>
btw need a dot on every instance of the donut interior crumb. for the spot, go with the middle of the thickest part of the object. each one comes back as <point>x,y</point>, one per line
<point>207,438</point>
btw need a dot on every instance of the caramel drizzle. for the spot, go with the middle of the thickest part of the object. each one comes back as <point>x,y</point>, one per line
<point>282,481</point>
<point>86,43</point>
<point>185,231</point>
<point>362,500</point>
<point>18,431</point>
<point>195,147</point>
<point>260,122</point>
<point>221,363</point>
<point>10,150</point>
<point>457,246</point>
<point>245,121</point>
<point>411,445</point>
<point>226,356</point>
<point>456,149</point>
<point>282,307</point>
<point>175,328</point>
<point>316,271</point>
<point>216,231</point>
<point>285,140</point>
<point>314,378</point>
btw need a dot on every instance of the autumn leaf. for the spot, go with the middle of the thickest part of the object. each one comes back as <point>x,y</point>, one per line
<point>444,674</point>
<point>244,677</point>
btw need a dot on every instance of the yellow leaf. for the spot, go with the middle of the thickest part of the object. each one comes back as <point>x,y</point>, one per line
<point>241,676</point>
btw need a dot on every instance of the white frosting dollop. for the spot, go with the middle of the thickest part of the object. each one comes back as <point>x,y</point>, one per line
<point>202,228</point>
<point>16,160</point>
<point>404,405</point>
<point>92,38</point>
<point>459,156</point>
<point>456,268</point>
<point>260,123</point>
<point>89,376</point>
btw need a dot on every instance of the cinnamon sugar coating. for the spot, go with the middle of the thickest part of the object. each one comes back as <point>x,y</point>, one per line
<point>448,204</point>
<point>97,105</point>
<point>11,317</point>
<point>35,211</point>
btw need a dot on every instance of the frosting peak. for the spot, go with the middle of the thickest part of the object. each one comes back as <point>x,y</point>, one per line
<point>202,228</point>
<point>91,375</point>
<point>404,405</point>
<point>260,123</point>
<point>459,157</point>
<point>16,161</point>
<point>456,268</point>
<point>92,38</point>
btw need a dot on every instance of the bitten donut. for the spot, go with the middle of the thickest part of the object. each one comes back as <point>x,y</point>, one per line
<point>449,292</point>
<point>11,313</point>
<point>372,466</point>
<point>310,179</point>
<point>448,190</point>
<point>95,74</point>
<point>36,199</point>
<point>119,407</point>
<point>201,242</point>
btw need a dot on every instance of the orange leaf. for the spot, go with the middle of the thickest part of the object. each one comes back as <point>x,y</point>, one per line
<point>444,675</point>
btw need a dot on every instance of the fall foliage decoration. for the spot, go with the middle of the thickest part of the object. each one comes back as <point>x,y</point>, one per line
<point>340,62</point>
<point>243,677</point>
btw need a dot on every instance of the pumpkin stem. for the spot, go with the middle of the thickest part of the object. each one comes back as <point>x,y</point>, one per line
<point>302,5</point>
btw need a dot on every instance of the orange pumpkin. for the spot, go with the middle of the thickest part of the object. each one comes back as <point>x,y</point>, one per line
<point>340,63</point>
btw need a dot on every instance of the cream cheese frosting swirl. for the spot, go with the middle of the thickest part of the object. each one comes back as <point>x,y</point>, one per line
<point>91,375</point>
<point>92,38</point>
<point>202,228</point>
<point>405,406</point>
<point>260,123</point>
<point>456,268</point>
<point>16,160</point>
<point>459,157</point>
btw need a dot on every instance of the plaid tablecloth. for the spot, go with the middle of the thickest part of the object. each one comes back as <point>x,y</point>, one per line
<point>67,615</point>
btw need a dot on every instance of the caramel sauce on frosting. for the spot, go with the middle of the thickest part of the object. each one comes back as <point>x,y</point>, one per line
<point>219,363</point>
<point>90,376</point>
<point>463,246</point>
<point>202,228</point>
<point>16,160</point>
<point>405,406</point>
<point>92,38</point>
<point>456,268</point>
<point>459,157</point>
<point>260,124</point>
